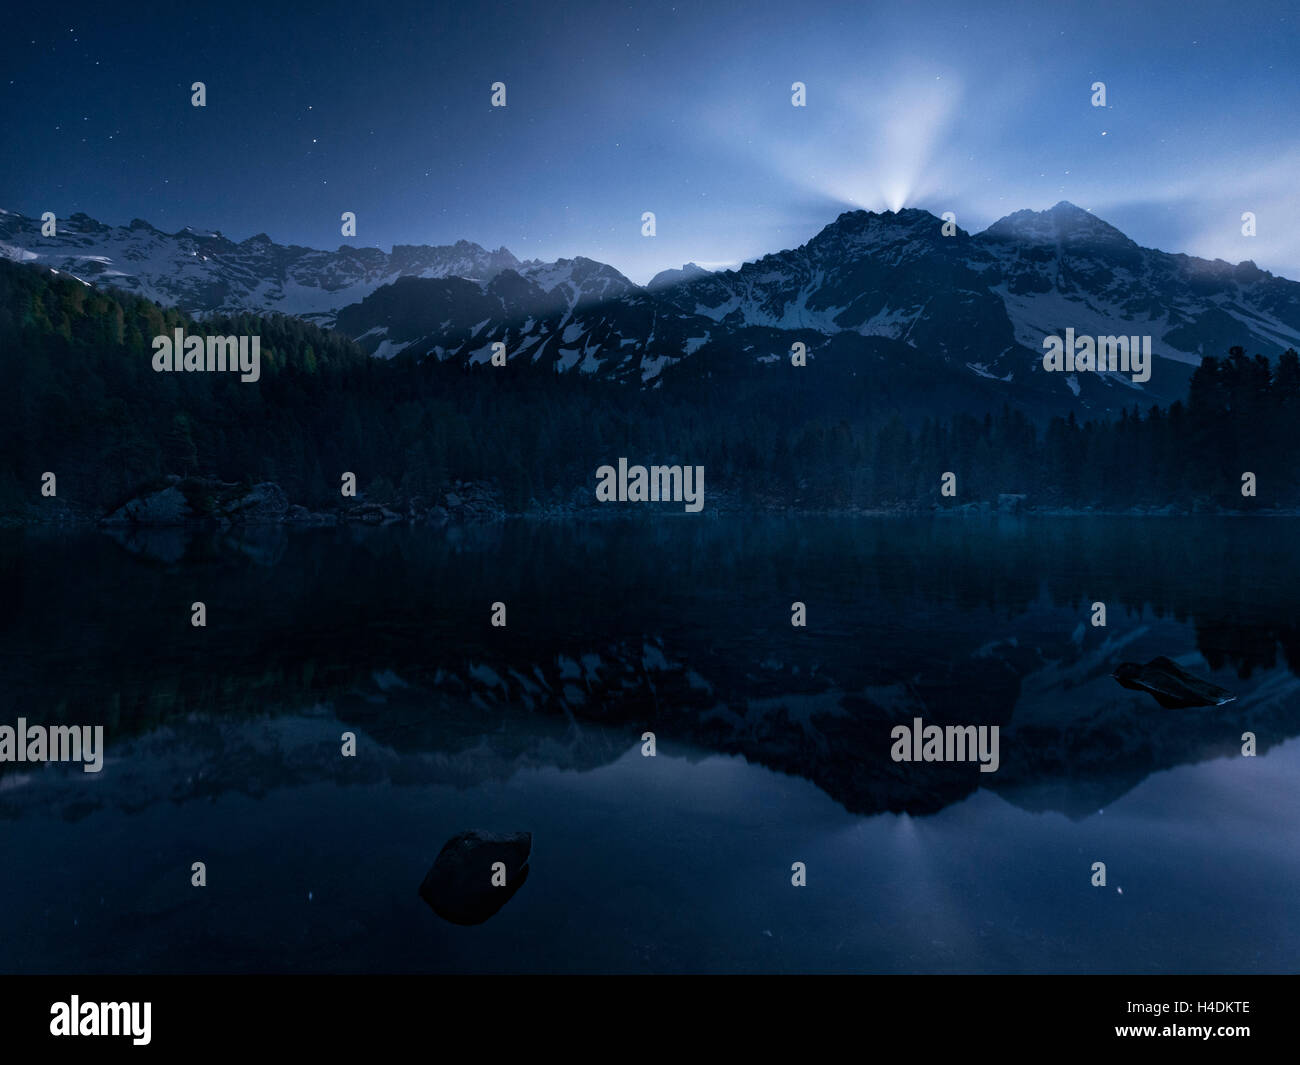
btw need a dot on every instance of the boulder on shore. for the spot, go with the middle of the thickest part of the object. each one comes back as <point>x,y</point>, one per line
<point>167,506</point>
<point>177,501</point>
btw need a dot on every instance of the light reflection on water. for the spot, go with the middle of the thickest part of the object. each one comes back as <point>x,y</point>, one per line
<point>773,748</point>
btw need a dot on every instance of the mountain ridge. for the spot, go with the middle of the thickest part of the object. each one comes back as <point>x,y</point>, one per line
<point>980,303</point>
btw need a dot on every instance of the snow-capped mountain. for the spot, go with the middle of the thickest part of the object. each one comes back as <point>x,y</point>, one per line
<point>1066,266</point>
<point>969,307</point>
<point>202,272</point>
<point>979,305</point>
<point>666,278</point>
<point>988,300</point>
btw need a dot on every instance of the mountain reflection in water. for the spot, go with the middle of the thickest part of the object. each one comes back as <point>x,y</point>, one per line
<point>223,745</point>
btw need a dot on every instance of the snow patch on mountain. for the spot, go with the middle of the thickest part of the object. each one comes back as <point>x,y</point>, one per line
<point>1037,315</point>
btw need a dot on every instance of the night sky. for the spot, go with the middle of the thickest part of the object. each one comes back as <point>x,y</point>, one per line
<point>678,108</point>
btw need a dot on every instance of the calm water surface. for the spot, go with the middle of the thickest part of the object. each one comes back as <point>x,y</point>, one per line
<point>223,746</point>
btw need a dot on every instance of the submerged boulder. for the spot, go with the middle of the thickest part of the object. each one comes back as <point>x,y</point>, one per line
<point>466,885</point>
<point>1173,687</point>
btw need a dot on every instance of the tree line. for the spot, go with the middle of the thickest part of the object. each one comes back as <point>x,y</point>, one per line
<point>85,403</point>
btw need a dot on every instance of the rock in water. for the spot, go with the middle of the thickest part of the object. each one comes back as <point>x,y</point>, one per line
<point>459,886</point>
<point>1173,687</point>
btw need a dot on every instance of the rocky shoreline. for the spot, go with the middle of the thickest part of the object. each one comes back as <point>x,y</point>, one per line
<point>193,501</point>
<point>184,502</point>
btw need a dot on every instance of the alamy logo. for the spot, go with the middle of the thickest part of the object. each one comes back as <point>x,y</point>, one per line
<point>102,1018</point>
<point>1102,354</point>
<point>946,743</point>
<point>59,743</point>
<point>240,354</point>
<point>657,484</point>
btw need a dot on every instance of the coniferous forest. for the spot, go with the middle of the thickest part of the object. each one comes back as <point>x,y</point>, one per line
<point>86,403</point>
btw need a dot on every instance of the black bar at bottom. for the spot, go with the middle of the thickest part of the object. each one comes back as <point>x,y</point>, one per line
<point>454,1015</point>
